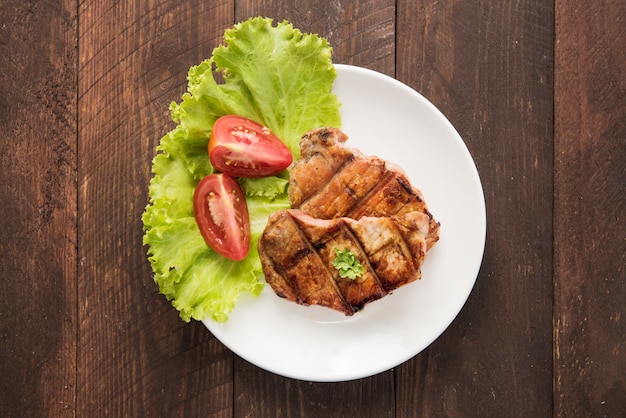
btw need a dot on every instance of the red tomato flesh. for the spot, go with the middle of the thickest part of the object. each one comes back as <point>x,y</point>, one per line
<point>243,148</point>
<point>221,213</point>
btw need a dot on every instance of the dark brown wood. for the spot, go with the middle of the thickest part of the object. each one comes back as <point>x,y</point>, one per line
<point>135,356</point>
<point>360,32</point>
<point>488,67</point>
<point>38,209</point>
<point>536,90</point>
<point>590,205</point>
<point>262,394</point>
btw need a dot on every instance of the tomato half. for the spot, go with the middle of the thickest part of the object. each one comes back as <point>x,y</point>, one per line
<point>222,216</point>
<point>243,148</point>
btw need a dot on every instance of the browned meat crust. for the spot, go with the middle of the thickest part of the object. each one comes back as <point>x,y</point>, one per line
<point>344,199</point>
<point>332,181</point>
<point>294,269</point>
<point>297,254</point>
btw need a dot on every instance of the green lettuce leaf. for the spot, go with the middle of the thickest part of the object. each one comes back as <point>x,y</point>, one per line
<point>273,74</point>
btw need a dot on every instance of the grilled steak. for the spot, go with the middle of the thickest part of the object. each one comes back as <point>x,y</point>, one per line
<point>297,253</point>
<point>342,199</point>
<point>332,181</point>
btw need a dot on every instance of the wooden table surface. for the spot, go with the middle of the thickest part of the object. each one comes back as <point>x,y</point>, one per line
<point>537,90</point>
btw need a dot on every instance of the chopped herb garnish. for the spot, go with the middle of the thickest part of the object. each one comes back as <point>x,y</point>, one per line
<point>347,264</point>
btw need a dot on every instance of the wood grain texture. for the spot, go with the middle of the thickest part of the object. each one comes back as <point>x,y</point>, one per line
<point>262,394</point>
<point>488,67</point>
<point>361,32</point>
<point>590,200</point>
<point>536,90</point>
<point>38,209</point>
<point>134,58</point>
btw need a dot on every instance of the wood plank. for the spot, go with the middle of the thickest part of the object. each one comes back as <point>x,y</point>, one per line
<point>488,67</point>
<point>38,209</point>
<point>590,200</point>
<point>136,356</point>
<point>262,394</point>
<point>361,33</point>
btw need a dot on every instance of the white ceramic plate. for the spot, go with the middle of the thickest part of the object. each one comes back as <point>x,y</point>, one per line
<point>386,118</point>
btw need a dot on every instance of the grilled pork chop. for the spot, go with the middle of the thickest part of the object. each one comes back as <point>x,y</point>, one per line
<point>297,253</point>
<point>342,199</point>
<point>332,181</point>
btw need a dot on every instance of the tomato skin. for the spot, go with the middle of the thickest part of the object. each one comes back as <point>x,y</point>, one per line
<point>243,148</point>
<point>221,213</point>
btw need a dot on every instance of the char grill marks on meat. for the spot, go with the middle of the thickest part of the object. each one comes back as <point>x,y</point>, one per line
<point>332,181</point>
<point>297,254</point>
<point>342,199</point>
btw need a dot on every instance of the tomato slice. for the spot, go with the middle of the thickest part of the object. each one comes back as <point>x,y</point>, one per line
<point>243,148</point>
<point>221,213</point>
